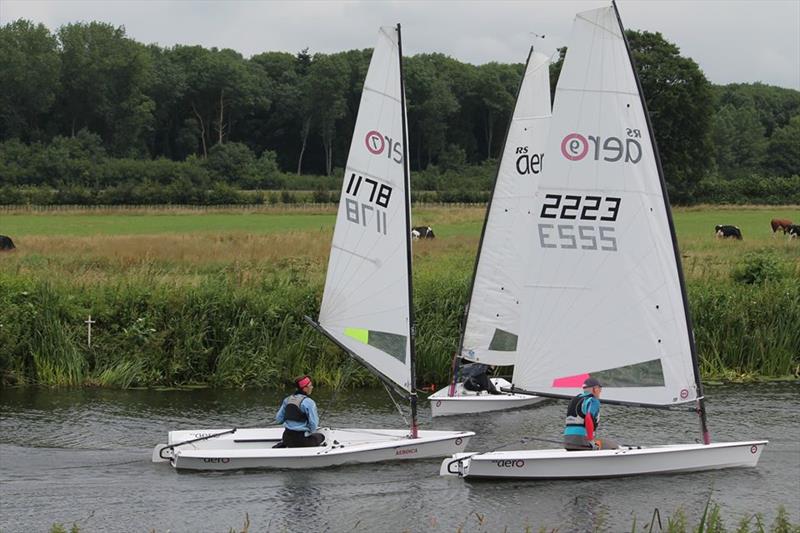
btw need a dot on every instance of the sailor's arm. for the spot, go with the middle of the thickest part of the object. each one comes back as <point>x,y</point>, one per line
<point>280,417</point>
<point>313,416</point>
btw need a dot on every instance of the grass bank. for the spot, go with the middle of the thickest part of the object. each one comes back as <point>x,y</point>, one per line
<point>232,330</point>
<point>180,297</point>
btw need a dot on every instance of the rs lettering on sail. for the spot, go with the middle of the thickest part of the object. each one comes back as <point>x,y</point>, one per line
<point>528,163</point>
<point>576,146</point>
<point>378,144</point>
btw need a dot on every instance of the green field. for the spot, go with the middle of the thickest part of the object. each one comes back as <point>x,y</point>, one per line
<point>182,241</point>
<point>154,223</point>
<point>218,296</point>
<point>447,221</point>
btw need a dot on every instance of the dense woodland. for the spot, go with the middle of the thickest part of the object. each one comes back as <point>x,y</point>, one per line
<point>88,115</point>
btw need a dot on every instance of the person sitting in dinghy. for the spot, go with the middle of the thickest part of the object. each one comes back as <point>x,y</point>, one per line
<point>583,416</point>
<point>298,414</point>
<point>476,379</point>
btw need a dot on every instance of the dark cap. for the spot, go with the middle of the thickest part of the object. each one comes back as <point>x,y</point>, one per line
<point>591,382</point>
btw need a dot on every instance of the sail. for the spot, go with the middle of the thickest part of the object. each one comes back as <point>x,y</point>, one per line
<point>603,292</point>
<point>366,305</point>
<point>493,320</point>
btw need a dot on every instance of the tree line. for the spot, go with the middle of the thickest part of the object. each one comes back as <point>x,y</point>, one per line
<point>89,114</point>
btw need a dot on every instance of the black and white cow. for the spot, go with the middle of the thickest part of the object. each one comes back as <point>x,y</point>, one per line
<point>793,231</point>
<point>6,244</point>
<point>725,232</point>
<point>422,232</point>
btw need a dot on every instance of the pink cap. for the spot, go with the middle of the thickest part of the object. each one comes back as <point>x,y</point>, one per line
<point>303,382</point>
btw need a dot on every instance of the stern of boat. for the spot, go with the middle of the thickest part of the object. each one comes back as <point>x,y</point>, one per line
<point>456,465</point>
<point>465,402</point>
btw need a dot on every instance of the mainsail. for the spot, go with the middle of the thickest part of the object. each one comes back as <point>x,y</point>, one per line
<point>493,325</point>
<point>603,285</point>
<point>366,303</point>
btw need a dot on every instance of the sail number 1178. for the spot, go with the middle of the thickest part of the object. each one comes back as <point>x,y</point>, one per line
<point>374,199</point>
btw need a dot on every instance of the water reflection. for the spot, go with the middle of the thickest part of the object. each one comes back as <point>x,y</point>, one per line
<point>66,455</point>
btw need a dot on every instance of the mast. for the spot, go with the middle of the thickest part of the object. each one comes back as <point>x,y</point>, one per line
<point>412,327</point>
<point>701,410</point>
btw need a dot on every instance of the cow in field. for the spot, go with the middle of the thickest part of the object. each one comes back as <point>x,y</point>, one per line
<point>780,224</point>
<point>422,232</point>
<point>6,244</point>
<point>793,231</point>
<point>726,232</point>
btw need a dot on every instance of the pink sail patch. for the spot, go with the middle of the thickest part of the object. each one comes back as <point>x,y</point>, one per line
<point>570,381</point>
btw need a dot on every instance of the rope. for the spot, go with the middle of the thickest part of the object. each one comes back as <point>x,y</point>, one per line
<point>560,444</point>
<point>525,440</point>
<point>398,437</point>
<point>400,411</point>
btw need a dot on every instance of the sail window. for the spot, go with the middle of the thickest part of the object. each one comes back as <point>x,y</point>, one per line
<point>645,374</point>
<point>503,341</point>
<point>391,343</point>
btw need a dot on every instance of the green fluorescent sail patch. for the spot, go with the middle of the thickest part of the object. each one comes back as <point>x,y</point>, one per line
<point>390,343</point>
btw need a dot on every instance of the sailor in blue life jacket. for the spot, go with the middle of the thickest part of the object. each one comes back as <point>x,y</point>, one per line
<point>298,414</point>
<point>583,417</point>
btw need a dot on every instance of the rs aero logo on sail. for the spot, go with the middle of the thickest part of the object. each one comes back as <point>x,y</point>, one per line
<point>380,144</point>
<point>576,146</point>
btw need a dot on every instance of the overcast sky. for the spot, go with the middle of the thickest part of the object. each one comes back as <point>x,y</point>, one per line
<point>731,40</point>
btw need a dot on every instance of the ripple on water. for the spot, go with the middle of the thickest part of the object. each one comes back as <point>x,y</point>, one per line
<point>84,456</point>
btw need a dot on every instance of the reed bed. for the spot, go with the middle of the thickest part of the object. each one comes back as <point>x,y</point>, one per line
<point>226,308</point>
<point>238,328</point>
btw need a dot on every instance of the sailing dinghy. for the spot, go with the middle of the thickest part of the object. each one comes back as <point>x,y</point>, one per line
<point>491,327</point>
<point>604,285</point>
<point>366,306</point>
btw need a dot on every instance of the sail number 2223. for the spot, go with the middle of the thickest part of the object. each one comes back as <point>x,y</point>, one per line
<point>583,236</point>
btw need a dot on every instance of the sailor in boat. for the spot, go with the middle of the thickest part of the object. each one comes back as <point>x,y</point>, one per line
<point>583,416</point>
<point>476,379</point>
<point>298,414</point>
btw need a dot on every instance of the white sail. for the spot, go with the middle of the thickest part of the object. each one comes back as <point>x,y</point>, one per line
<point>602,291</point>
<point>493,320</point>
<point>365,305</point>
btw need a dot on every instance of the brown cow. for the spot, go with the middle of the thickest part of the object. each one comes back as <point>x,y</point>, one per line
<point>780,224</point>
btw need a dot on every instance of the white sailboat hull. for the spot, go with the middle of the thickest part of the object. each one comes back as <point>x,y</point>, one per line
<point>465,402</point>
<point>561,464</point>
<point>253,448</point>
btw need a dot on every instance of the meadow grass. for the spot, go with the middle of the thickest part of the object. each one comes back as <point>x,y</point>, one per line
<point>156,223</point>
<point>226,307</point>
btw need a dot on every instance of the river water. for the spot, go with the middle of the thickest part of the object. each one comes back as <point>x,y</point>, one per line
<point>83,456</point>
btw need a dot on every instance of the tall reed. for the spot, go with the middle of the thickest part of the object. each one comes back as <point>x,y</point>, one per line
<point>238,327</point>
